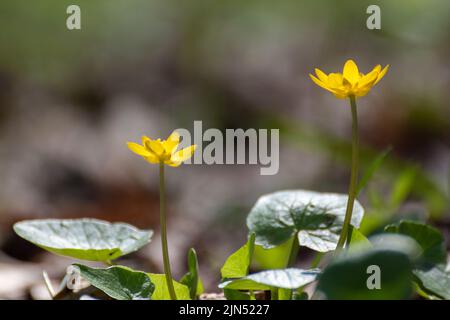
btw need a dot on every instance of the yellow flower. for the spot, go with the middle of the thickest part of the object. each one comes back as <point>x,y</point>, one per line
<point>350,82</point>
<point>157,151</point>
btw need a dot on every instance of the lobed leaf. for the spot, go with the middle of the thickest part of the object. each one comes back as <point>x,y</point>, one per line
<point>315,218</point>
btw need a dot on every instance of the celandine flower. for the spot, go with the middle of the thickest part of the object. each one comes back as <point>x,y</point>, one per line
<point>350,82</point>
<point>157,151</point>
<point>163,153</point>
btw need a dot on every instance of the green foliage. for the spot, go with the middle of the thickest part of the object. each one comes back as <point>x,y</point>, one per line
<point>424,186</point>
<point>266,280</point>
<point>118,282</point>
<point>192,278</point>
<point>373,167</point>
<point>162,291</point>
<point>273,258</point>
<point>238,264</point>
<point>409,253</point>
<point>434,280</point>
<point>403,186</point>
<point>358,239</point>
<point>86,239</point>
<point>431,272</point>
<point>316,219</point>
<point>430,239</point>
<point>347,276</point>
<point>232,294</point>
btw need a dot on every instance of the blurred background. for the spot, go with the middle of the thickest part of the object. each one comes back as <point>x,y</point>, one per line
<point>70,100</point>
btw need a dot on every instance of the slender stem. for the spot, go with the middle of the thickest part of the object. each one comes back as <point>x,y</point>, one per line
<point>294,251</point>
<point>165,250</point>
<point>353,177</point>
<point>316,260</point>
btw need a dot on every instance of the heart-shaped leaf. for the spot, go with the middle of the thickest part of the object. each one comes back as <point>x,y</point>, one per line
<point>118,282</point>
<point>162,291</point>
<point>367,275</point>
<point>265,280</point>
<point>86,239</point>
<point>192,278</point>
<point>238,263</point>
<point>316,218</point>
<point>430,239</point>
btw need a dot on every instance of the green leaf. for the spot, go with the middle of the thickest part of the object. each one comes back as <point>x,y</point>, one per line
<point>435,280</point>
<point>357,238</point>
<point>347,277</point>
<point>316,218</point>
<point>120,283</point>
<point>397,242</point>
<point>238,264</point>
<point>430,273</point>
<point>273,258</point>
<point>192,278</point>
<point>86,239</point>
<point>162,291</point>
<point>430,239</point>
<point>231,294</point>
<point>265,280</point>
<point>284,294</point>
<point>373,167</point>
<point>403,186</point>
<point>299,296</point>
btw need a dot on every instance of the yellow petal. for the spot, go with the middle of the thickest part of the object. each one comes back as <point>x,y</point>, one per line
<point>362,92</point>
<point>170,145</point>
<point>172,163</point>
<point>335,80</point>
<point>138,149</point>
<point>320,83</point>
<point>351,72</point>
<point>369,79</point>
<point>381,75</point>
<point>183,154</point>
<point>321,75</point>
<point>156,146</point>
<point>377,68</point>
<point>145,140</point>
<point>152,158</point>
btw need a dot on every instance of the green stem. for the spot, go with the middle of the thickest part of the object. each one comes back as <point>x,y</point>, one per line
<point>353,177</point>
<point>316,260</point>
<point>294,251</point>
<point>165,250</point>
<point>274,294</point>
